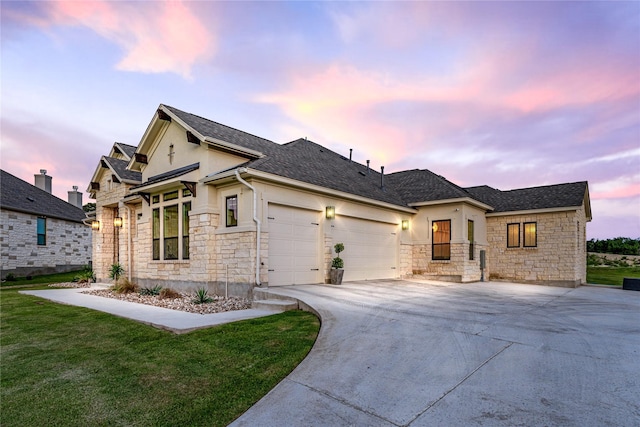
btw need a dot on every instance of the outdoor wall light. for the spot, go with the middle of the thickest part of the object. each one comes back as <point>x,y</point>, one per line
<point>405,224</point>
<point>435,227</point>
<point>331,212</point>
<point>95,225</point>
<point>117,221</point>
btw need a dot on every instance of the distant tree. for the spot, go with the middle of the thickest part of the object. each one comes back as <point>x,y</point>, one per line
<point>89,207</point>
<point>619,245</point>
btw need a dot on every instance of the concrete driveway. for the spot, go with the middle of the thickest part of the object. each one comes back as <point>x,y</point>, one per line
<point>399,353</point>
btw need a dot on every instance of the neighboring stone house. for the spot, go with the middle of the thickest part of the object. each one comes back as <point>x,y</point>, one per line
<point>203,204</point>
<point>40,233</point>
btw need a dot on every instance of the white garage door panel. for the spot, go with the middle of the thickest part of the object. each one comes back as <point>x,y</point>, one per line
<point>293,246</point>
<point>370,248</point>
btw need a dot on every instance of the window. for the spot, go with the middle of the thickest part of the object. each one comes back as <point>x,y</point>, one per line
<point>186,207</point>
<point>232,211</point>
<point>513,235</point>
<point>470,236</point>
<point>170,226</point>
<point>530,234</point>
<point>42,231</point>
<point>156,234</point>
<point>155,199</point>
<point>441,238</point>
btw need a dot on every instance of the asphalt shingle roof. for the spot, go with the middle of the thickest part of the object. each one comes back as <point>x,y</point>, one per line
<point>128,149</point>
<point>308,162</point>
<point>168,175</point>
<point>544,197</point>
<point>19,195</point>
<point>120,167</point>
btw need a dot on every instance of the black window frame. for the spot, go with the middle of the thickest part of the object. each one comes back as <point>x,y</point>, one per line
<point>41,238</point>
<point>471,232</point>
<point>227,211</point>
<point>509,243</point>
<point>535,234</point>
<point>443,249</point>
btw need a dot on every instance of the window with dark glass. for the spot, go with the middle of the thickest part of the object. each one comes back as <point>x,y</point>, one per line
<point>530,234</point>
<point>170,231</point>
<point>232,211</point>
<point>513,235</point>
<point>172,195</point>
<point>42,231</point>
<point>155,199</point>
<point>186,207</point>
<point>470,236</point>
<point>441,238</point>
<point>156,234</point>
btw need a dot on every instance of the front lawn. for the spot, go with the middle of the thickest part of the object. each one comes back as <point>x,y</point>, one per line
<point>71,366</point>
<point>39,280</point>
<point>610,275</point>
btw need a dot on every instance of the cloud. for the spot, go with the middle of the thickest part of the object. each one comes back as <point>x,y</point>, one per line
<point>157,37</point>
<point>67,165</point>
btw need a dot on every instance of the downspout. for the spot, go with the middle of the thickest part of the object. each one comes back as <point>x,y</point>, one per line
<point>129,255</point>
<point>255,219</point>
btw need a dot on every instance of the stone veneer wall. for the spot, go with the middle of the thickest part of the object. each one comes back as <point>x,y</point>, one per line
<point>457,269</point>
<point>406,260</point>
<point>68,245</point>
<point>219,262</point>
<point>104,249</point>
<point>558,259</point>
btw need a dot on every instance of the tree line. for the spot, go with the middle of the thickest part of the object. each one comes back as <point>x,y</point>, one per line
<point>619,245</point>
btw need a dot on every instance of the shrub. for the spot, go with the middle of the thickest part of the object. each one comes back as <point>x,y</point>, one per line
<point>86,276</point>
<point>116,271</point>
<point>202,296</point>
<point>155,291</point>
<point>168,293</point>
<point>10,277</point>
<point>124,286</point>
<point>338,262</point>
<point>593,260</point>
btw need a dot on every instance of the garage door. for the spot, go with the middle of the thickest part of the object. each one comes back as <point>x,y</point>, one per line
<point>370,248</point>
<point>294,246</point>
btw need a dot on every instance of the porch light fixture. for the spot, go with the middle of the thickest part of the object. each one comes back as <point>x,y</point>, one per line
<point>95,225</point>
<point>330,212</point>
<point>117,221</point>
<point>405,224</point>
<point>435,227</point>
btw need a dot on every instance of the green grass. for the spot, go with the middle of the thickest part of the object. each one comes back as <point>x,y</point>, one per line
<point>610,275</point>
<point>71,366</point>
<point>40,280</point>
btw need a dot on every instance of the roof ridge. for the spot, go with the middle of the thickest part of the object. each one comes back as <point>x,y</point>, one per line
<point>220,124</point>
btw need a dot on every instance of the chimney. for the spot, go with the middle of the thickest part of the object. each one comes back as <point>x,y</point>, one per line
<point>382,177</point>
<point>368,161</point>
<point>43,181</point>
<point>75,197</point>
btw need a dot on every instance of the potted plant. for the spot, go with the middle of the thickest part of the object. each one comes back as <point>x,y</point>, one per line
<point>337,265</point>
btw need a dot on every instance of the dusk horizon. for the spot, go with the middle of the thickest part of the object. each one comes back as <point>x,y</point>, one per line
<point>509,95</point>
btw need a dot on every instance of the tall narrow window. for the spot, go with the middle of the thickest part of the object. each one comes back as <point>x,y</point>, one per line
<point>513,235</point>
<point>232,211</point>
<point>470,236</point>
<point>530,234</point>
<point>42,231</point>
<point>186,207</point>
<point>441,238</point>
<point>170,231</point>
<point>156,234</point>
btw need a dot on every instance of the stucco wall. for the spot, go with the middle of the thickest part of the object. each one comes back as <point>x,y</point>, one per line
<point>68,245</point>
<point>558,259</point>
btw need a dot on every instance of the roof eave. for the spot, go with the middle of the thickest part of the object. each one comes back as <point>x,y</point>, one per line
<point>229,176</point>
<point>467,200</point>
<point>233,148</point>
<point>534,211</point>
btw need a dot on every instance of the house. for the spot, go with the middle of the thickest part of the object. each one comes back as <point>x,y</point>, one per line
<point>40,233</point>
<point>201,204</point>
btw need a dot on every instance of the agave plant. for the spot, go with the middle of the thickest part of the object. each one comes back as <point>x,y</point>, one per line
<point>202,296</point>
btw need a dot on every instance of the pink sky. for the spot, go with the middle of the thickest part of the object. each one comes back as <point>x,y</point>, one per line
<point>509,95</point>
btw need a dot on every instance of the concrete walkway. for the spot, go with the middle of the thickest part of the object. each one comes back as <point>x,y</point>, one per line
<point>159,317</point>
<point>401,353</point>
